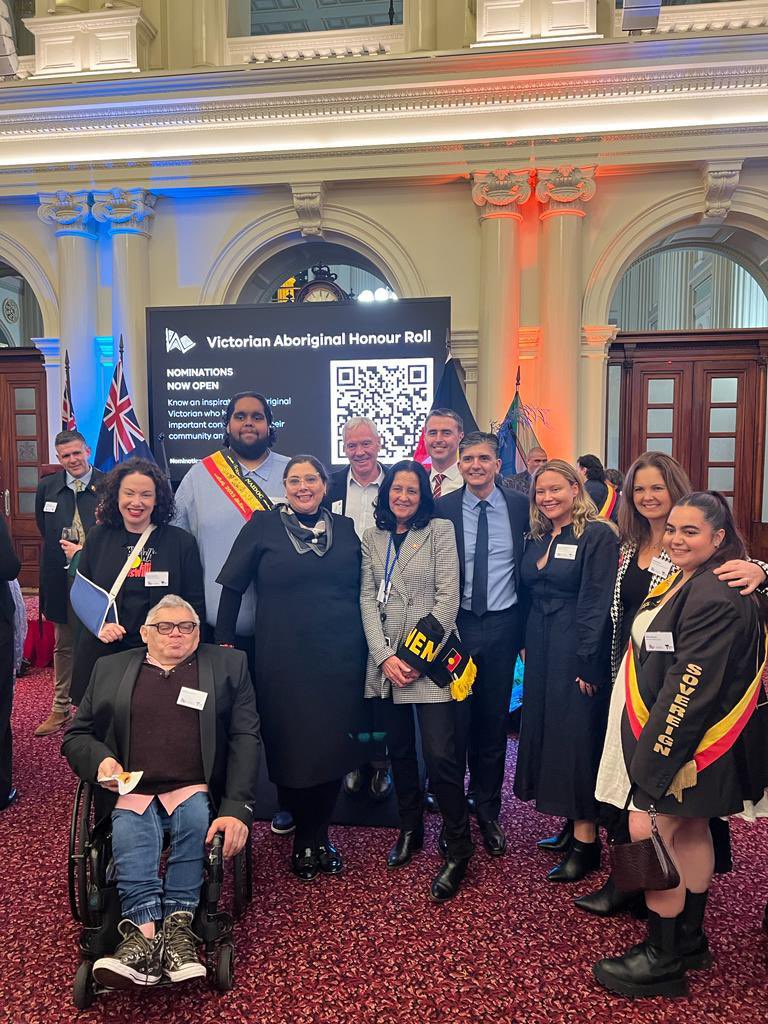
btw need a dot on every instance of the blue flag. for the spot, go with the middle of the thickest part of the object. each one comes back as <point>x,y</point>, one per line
<point>516,438</point>
<point>120,436</point>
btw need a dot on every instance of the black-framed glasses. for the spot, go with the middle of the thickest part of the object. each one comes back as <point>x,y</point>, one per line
<point>166,628</point>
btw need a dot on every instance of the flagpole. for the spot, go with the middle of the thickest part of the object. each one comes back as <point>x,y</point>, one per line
<point>517,380</point>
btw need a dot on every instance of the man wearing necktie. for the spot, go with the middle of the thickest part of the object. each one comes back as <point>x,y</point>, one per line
<point>442,432</point>
<point>64,501</point>
<point>490,524</point>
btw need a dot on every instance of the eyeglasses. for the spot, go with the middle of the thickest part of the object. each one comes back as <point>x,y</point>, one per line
<point>166,628</point>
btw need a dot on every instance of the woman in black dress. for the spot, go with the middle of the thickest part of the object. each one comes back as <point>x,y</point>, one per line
<point>134,495</point>
<point>310,653</point>
<point>690,740</point>
<point>568,572</point>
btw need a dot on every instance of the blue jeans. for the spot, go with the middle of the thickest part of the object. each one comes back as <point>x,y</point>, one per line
<point>137,843</point>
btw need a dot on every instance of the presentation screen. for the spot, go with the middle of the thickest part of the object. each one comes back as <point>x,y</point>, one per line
<point>317,364</point>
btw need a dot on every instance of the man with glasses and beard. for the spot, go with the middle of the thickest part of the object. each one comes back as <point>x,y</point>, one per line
<point>219,494</point>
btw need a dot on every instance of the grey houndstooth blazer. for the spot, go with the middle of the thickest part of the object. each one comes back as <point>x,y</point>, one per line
<point>426,579</point>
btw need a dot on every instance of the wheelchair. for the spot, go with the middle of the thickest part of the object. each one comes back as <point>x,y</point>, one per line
<point>95,904</point>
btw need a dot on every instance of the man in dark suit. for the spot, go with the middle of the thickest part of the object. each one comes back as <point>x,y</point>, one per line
<point>65,500</point>
<point>184,715</point>
<point>522,481</point>
<point>490,522</point>
<point>352,492</point>
<point>10,566</point>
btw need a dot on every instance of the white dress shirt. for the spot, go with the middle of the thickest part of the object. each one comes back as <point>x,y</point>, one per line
<point>452,479</point>
<point>360,499</point>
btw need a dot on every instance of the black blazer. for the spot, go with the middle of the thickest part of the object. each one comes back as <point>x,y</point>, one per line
<point>230,736</point>
<point>337,488</point>
<point>53,575</point>
<point>10,567</point>
<point>450,507</point>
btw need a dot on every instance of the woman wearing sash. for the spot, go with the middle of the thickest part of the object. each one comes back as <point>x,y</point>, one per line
<point>687,736</point>
<point>135,496</point>
<point>304,564</point>
<point>600,490</point>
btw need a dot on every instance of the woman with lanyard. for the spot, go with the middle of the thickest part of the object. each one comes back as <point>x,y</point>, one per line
<point>133,518</point>
<point>304,564</point>
<point>654,483</point>
<point>411,570</point>
<point>687,736</point>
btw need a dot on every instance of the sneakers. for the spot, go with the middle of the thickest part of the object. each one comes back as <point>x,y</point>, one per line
<point>55,721</point>
<point>180,961</point>
<point>282,823</point>
<point>136,961</point>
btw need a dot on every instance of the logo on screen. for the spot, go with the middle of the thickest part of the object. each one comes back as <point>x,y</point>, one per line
<point>181,344</point>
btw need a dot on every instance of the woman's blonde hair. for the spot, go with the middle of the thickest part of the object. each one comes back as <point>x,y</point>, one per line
<point>584,509</point>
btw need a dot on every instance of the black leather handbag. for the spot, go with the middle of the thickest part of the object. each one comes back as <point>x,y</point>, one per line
<point>645,864</point>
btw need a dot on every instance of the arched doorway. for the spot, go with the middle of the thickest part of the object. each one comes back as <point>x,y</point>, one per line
<point>686,373</point>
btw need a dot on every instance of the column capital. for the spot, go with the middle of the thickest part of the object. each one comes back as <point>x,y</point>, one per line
<point>127,211</point>
<point>597,339</point>
<point>721,179</point>
<point>564,190</point>
<point>68,212</point>
<point>500,193</point>
<point>308,203</point>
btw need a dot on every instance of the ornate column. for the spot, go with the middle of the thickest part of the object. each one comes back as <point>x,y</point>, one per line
<point>498,195</point>
<point>129,216</point>
<point>69,213</point>
<point>562,192</point>
<point>593,369</point>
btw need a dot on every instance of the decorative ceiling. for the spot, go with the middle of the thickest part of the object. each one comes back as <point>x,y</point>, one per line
<point>272,17</point>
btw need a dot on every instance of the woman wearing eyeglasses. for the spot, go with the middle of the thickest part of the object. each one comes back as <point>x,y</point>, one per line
<point>310,653</point>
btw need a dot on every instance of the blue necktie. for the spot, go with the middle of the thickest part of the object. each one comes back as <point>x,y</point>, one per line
<point>480,571</point>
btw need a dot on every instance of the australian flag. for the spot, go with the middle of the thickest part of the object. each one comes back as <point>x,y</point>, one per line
<point>120,436</point>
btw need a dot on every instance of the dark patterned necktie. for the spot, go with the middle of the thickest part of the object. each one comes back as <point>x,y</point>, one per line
<point>437,485</point>
<point>480,572</point>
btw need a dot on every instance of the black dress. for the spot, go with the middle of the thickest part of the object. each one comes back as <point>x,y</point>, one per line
<point>567,635</point>
<point>310,649</point>
<point>168,549</point>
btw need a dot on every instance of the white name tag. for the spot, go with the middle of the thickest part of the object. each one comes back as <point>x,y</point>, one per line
<point>156,579</point>
<point>50,506</point>
<point>660,567</point>
<point>189,698</point>
<point>659,642</point>
<point>383,595</point>
<point>336,507</point>
<point>566,551</point>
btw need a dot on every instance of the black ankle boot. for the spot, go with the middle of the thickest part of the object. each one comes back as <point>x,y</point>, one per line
<point>578,862</point>
<point>559,843</point>
<point>652,968</point>
<point>692,942</point>
<point>608,901</point>
<point>446,882</point>
<point>409,841</point>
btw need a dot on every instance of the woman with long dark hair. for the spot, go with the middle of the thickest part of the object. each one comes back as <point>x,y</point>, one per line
<point>410,571</point>
<point>688,740</point>
<point>134,496</point>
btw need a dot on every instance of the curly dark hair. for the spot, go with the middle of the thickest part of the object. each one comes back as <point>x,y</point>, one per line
<point>383,515</point>
<point>108,512</point>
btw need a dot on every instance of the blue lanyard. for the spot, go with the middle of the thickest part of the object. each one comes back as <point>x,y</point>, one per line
<point>387,571</point>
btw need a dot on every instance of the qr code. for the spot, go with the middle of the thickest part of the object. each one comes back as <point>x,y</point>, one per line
<point>395,393</point>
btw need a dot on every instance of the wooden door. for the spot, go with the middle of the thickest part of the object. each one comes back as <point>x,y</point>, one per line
<point>700,396</point>
<point>23,449</point>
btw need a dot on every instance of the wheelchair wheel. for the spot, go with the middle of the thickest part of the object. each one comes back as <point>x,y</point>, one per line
<point>225,968</point>
<point>78,869</point>
<point>82,989</point>
<point>242,880</point>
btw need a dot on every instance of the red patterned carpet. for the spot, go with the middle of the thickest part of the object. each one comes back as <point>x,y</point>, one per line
<point>367,948</point>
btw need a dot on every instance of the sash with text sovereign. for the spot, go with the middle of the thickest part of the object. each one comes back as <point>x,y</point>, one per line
<point>244,493</point>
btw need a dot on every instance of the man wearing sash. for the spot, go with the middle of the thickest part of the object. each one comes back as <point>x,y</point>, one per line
<point>219,494</point>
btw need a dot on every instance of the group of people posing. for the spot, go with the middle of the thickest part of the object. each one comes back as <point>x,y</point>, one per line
<point>341,593</point>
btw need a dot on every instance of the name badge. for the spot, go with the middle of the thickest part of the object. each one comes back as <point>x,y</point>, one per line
<point>336,507</point>
<point>50,506</point>
<point>189,698</point>
<point>383,595</point>
<point>660,567</point>
<point>566,551</point>
<point>156,579</point>
<point>659,642</point>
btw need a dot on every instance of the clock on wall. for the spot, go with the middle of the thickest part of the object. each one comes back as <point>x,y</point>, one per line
<point>323,287</point>
<point>11,311</point>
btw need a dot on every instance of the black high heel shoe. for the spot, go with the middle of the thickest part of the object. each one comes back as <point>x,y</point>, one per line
<point>608,901</point>
<point>579,861</point>
<point>559,843</point>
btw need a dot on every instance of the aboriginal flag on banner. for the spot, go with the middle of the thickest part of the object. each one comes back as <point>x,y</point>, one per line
<point>448,395</point>
<point>68,421</point>
<point>120,437</point>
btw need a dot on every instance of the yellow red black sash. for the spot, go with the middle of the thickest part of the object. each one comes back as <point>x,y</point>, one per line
<point>606,511</point>
<point>244,493</point>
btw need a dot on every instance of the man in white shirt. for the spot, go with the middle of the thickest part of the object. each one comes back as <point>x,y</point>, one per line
<point>442,432</point>
<point>353,490</point>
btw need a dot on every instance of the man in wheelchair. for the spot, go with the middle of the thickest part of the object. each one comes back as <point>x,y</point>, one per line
<point>184,714</point>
